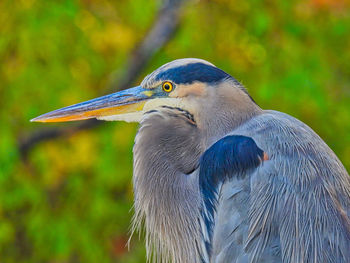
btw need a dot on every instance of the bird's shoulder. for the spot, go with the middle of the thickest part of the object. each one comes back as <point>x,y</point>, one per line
<point>297,155</point>
<point>287,139</point>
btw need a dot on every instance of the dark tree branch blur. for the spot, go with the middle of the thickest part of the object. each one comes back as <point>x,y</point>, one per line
<point>162,30</point>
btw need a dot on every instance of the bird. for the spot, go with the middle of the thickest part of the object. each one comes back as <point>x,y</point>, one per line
<point>216,178</point>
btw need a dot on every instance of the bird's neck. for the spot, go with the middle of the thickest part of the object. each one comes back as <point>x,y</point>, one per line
<point>167,199</point>
<point>227,109</point>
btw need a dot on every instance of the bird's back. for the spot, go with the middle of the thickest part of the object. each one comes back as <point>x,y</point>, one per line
<point>294,207</point>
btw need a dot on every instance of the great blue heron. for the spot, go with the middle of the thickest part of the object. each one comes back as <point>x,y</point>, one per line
<point>218,179</point>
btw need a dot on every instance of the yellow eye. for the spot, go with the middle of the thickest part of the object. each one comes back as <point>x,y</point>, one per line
<point>167,86</point>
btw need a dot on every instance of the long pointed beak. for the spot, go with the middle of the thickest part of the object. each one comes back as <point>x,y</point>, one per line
<point>122,102</point>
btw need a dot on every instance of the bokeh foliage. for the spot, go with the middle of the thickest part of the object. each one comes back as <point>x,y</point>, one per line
<point>70,199</point>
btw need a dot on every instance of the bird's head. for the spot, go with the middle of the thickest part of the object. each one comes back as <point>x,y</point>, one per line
<point>193,85</point>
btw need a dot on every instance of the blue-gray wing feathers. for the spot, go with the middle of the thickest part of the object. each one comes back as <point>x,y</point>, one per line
<point>294,207</point>
<point>232,156</point>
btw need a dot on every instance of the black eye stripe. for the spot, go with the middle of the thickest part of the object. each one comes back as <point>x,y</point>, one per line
<point>193,72</point>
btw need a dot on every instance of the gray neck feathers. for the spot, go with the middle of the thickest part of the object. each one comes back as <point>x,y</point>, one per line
<point>226,106</point>
<point>167,199</point>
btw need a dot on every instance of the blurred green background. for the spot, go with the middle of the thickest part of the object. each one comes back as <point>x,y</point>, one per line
<point>70,200</point>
